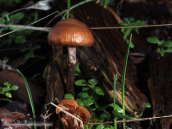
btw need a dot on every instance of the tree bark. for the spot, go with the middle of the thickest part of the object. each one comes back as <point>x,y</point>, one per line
<point>160,86</point>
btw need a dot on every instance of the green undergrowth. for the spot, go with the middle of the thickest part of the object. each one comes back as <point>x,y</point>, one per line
<point>93,97</point>
<point>162,46</point>
<point>5,90</point>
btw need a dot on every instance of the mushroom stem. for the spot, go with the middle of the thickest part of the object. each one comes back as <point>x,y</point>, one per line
<point>71,70</point>
<point>72,54</point>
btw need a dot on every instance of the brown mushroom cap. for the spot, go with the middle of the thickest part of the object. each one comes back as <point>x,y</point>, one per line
<point>70,32</point>
<point>65,104</point>
<point>83,114</point>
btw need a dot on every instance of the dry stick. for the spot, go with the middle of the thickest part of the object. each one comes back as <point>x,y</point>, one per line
<point>27,27</point>
<point>102,28</point>
<point>121,121</point>
<point>47,29</point>
<point>34,22</point>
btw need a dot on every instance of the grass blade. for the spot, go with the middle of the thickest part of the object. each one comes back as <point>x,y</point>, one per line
<point>30,97</point>
<point>123,78</point>
<point>68,6</point>
<point>114,100</point>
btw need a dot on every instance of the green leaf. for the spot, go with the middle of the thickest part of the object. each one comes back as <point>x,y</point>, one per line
<point>29,55</point>
<point>34,76</point>
<point>10,22</point>
<point>99,91</point>
<point>127,32</point>
<point>13,28</point>
<point>109,127</point>
<point>102,116</point>
<point>85,88</point>
<point>2,21</point>
<point>5,89</point>
<point>81,82</point>
<point>167,44</point>
<point>123,24</point>
<point>6,99</point>
<point>24,49</point>
<point>168,50</point>
<point>85,95</point>
<point>88,102</point>
<point>101,126</point>
<point>14,87</point>
<point>1,30</point>
<point>128,41</point>
<point>116,113</point>
<point>148,105</point>
<point>36,47</point>
<point>77,69</point>
<point>92,81</point>
<point>80,102</point>
<point>153,40</point>
<point>69,96</point>
<point>8,94</point>
<point>7,84</point>
<point>19,15</point>
<point>118,108</point>
<point>20,39</point>
<point>5,13</point>
<point>11,36</point>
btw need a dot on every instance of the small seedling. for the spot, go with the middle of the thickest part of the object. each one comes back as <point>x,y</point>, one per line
<point>20,37</point>
<point>5,90</point>
<point>30,53</point>
<point>126,31</point>
<point>163,46</point>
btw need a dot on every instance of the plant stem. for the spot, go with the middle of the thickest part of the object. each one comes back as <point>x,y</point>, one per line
<point>123,78</point>
<point>71,70</point>
<point>83,2</point>
<point>30,97</point>
<point>68,6</point>
<point>114,100</point>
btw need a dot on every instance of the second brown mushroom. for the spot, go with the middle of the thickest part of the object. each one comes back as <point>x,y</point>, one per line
<point>71,106</point>
<point>72,33</point>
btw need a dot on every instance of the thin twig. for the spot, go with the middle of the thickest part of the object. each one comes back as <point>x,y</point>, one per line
<point>102,28</point>
<point>53,19</point>
<point>121,121</point>
<point>47,29</point>
<point>34,22</point>
<point>27,27</point>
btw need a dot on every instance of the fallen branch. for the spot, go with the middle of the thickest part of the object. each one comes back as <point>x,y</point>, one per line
<point>27,27</point>
<point>121,121</point>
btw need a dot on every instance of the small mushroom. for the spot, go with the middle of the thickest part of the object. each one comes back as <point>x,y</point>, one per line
<point>72,33</point>
<point>83,114</point>
<point>67,104</point>
<point>78,111</point>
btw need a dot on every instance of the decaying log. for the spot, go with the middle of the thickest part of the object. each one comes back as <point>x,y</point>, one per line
<point>14,78</point>
<point>160,86</point>
<point>55,80</point>
<point>54,75</point>
<point>147,11</point>
<point>106,57</point>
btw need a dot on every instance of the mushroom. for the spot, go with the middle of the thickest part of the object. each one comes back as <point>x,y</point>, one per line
<point>78,111</point>
<point>67,104</point>
<point>72,33</point>
<point>83,114</point>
